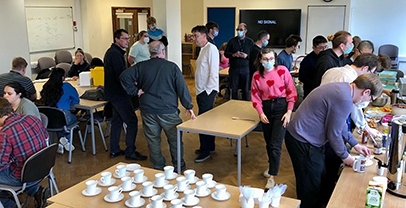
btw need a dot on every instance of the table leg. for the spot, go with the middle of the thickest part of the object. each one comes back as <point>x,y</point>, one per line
<point>239,161</point>
<point>178,151</point>
<point>92,128</point>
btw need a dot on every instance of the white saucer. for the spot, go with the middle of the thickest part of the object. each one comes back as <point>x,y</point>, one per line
<point>203,195</point>
<point>197,200</point>
<point>182,207</point>
<point>117,176</point>
<point>98,191</point>
<point>107,198</point>
<point>174,175</point>
<point>214,196</point>
<point>165,183</point>
<point>182,190</point>
<point>133,186</point>
<point>133,166</point>
<point>150,205</point>
<point>112,182</point>
<point>127,203</point>
<point>212,184</point>
<point>196,179</point>
<point>154,192</point>
<point>145,178</point>
<point>175,196</point>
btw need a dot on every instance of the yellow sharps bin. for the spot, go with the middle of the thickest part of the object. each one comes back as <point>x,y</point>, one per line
<point>97,75</point>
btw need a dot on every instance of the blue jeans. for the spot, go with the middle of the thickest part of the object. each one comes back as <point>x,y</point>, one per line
<point>7,178</point>
<point>70,118</point>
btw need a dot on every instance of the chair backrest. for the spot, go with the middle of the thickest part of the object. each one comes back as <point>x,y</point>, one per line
<point>44,120</point>
<point>63,57</point>
<point>88,57</point>
<point>391,50</point>
<point>56,117</point>
<point>38,165</point>
<point>64,66</point>
<point>45,63</point>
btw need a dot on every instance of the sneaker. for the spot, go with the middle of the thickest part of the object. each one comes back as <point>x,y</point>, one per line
<point>198,151</point>
<point>60,149</point>
<point>41,197</point>
<point>269,184</point>
<point>65,143</point>
<point>202,157</point>
<point>266,174</point>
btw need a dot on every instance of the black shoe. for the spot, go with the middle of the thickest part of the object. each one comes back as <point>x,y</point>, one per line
<point>198,151</point>
<point>136,156</point>
<point>119,153</point>
<point>183,167</point>
<point>41,197</point>
<point>202,157</point>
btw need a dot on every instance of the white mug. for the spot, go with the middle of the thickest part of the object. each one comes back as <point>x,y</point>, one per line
<point>147,187</point>
<point>156,201</point>
<point>360,164</point>
<point>169,171</point>
<point>182,183</point>
<point>177,203</point>
<point>276,201</point>
<point>264,203</point>
<point>201,187</point>
<point>138,175</point>
<point>189,196</point>
<point>91,186</point>
<point>135,198</point>
<point>208,178</point>
<point>115,191</point>
<point>120,171</point>
<point>190,175</point>
<point>127,181</point>
<point>221,191</point>
<point>160,179</point>
<point>170,191</point>
<point>105,177</point>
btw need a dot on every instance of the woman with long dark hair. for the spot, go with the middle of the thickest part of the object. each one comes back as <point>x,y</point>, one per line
<point>273,95</point>
<point>16,95</point>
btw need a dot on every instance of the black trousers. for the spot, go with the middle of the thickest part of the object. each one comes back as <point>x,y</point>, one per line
<point>330,178</point>
<point>205,103</point>
<point>274,132</point>
<point>237,76</point>
<point>308,166</point>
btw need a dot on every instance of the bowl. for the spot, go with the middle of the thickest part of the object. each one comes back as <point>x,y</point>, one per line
<point>398,109</point>
<point>380,101</point>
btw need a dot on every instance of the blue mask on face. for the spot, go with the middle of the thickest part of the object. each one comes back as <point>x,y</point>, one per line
<point>240,34</point>
<point>216,33</point>
<point>349,50</point>
<point>265,44</point>
<point>268,65</point>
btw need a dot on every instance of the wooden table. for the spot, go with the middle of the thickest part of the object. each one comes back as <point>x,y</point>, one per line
<point>224,72</point>
<point>73,197</point>
<point>219,122</point>
<point>84,104</point>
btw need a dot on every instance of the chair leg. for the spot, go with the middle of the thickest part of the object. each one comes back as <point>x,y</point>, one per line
<point>81,140</point>
<point>235,150</point>
<point>246,140</point>
<point>102,136</point>
<point>70,146</point>
<point>108,127</point>
<point>231,141</point>
<point>85,134</point>
<point>51,189</point>
<point>51,177</point>
<point>18,204</point>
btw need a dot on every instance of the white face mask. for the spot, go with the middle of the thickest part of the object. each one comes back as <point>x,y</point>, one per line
<point>362,104</point>
<point>146,39</point>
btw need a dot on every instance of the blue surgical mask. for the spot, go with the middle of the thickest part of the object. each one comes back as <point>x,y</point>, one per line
<point>265,44</point>
<point>153,27</point>
<point>216,33</point>
<point>349,50</point>
<point>268,64</point>
<point>240,34</point>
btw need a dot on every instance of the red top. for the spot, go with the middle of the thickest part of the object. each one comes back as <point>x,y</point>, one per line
<point>277,83</point>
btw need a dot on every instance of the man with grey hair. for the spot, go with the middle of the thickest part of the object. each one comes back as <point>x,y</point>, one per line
<point>159,83</point>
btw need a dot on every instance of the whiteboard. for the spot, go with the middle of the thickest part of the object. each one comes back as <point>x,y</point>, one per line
<point>323,20</point>
<point>50,28</point>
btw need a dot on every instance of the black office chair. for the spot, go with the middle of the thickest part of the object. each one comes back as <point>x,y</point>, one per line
<point>392,51</point>
<point>37,167</point>
<point>57,123</point>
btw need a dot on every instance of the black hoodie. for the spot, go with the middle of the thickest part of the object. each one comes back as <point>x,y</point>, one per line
<point>327,59</point>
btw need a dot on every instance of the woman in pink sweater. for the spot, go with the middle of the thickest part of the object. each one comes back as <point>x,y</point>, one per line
<point>273,95</point>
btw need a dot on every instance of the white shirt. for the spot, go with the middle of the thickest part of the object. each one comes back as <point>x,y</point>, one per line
<point>345,74</point>
<point>207,69</point>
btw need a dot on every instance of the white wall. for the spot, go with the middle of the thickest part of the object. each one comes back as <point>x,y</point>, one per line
<point>13,38</point>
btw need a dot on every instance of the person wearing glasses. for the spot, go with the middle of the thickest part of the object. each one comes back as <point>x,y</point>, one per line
<point>308,65</point>
<point>238,51</point>
<point>123,110</point>
<point>285,57</point>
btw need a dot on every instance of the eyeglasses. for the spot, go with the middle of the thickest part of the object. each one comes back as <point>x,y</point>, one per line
<point>239,29</point>
<point>322,47</point>
<point>372,99</point>
<point>125,38</point>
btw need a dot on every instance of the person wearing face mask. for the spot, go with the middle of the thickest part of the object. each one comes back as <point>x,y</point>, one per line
<point>273,95</point>
<point>364,46</point>
<point>212,31</point>
<point>262,41</point>
<point>330,58</point>
<point>285,57</point>
<point>320,119</point>
<point>238,51</point>
<point>139,50</point>
<point>154,33</point>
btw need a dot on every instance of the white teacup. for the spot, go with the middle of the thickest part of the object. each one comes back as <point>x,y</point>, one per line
<point>127,181</point>
<point>169,171</point>
<point>138,175</point>
<point>182,183</point>
<point>135,197</point>
<point>208,178</point>
<point>221,191</point>
<point>160,179</point>
<point>147,188</point>
<point>201,187</point>
<point>189,196</point>
<point>170,191</point>
<point>156,201</point>
<point>91,186</point>
<point>190,175</point>
<point>264,203</point>
<point>120,171</point>
<point>105,178</point>
<point>276,201</point>
<point>115,192</point>
<point>177,203</point>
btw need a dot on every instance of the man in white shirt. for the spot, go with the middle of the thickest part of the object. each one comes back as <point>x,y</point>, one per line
<point>207,85</point>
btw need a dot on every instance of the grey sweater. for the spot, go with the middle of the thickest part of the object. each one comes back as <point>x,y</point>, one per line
<point>321,118</point>
<point>162,83</point>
